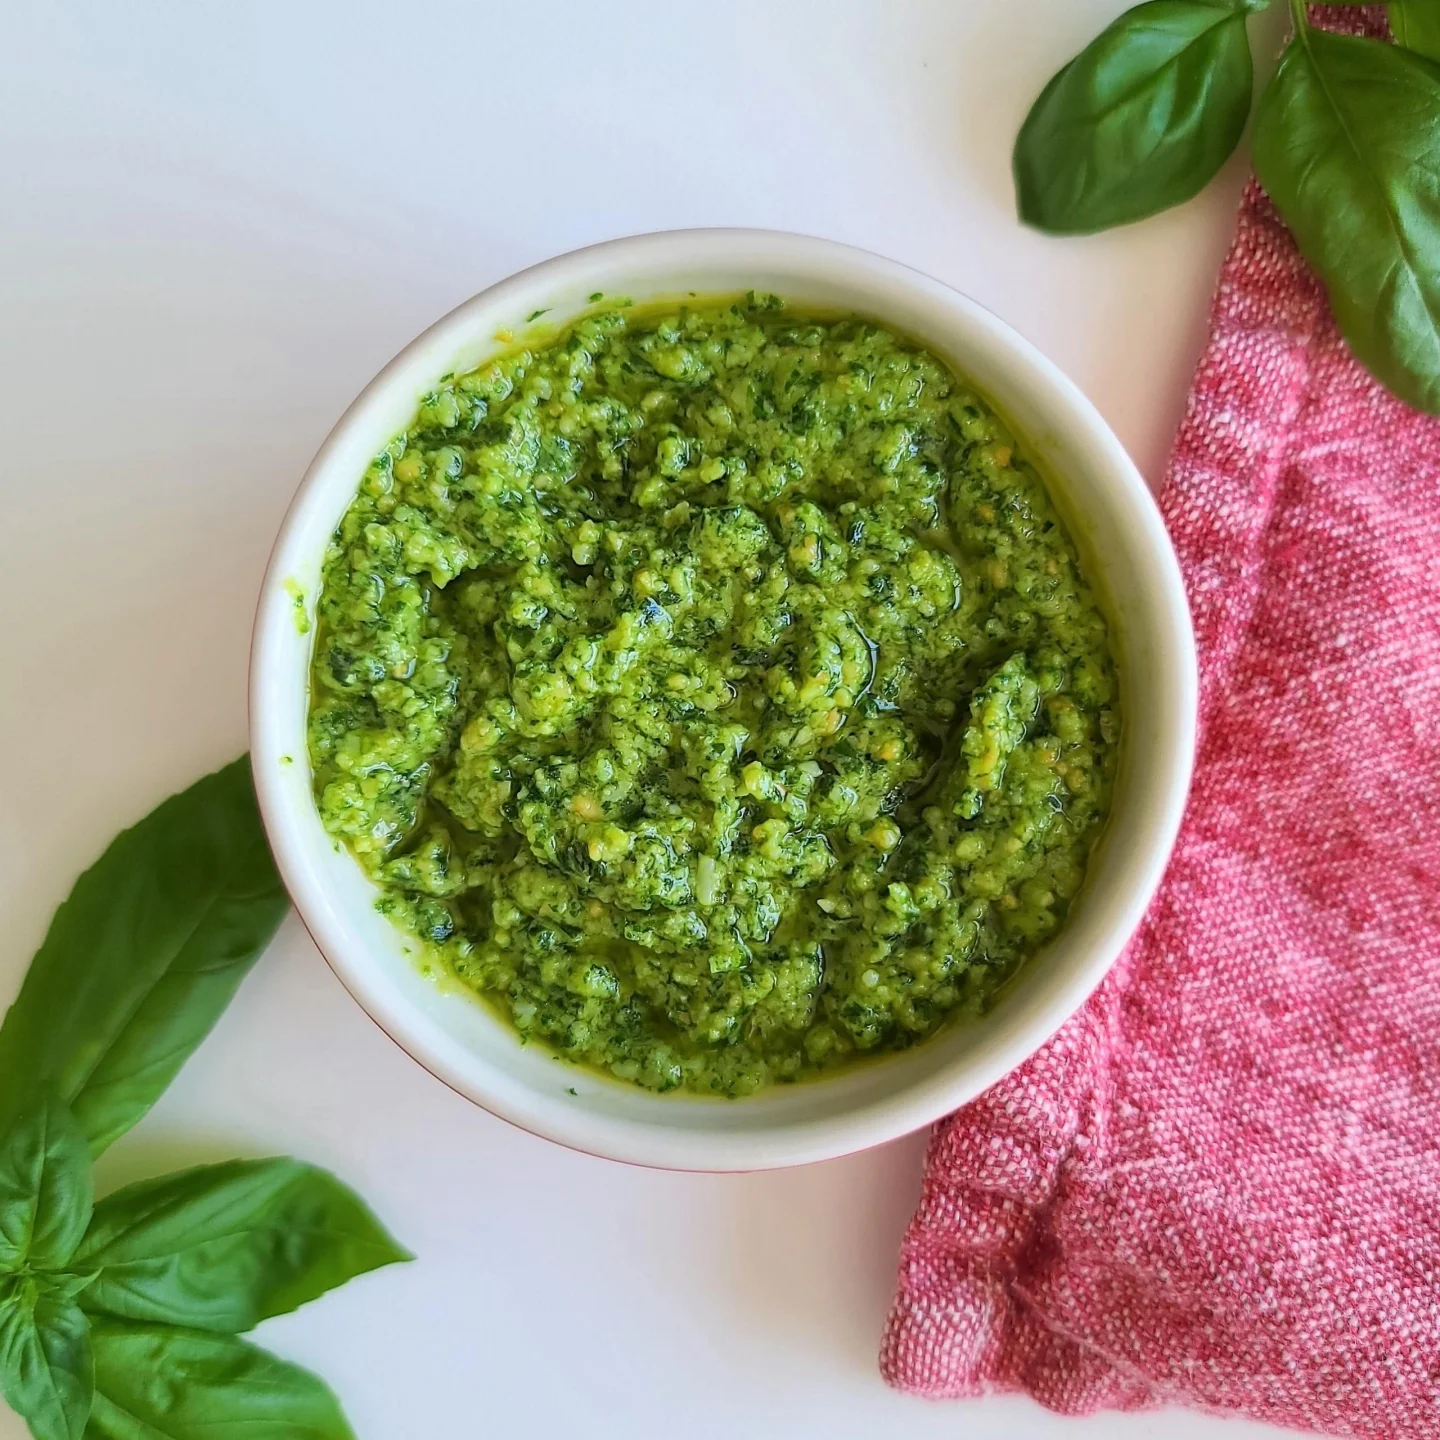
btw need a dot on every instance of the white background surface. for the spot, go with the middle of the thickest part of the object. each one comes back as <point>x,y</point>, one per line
<point>218,222</point>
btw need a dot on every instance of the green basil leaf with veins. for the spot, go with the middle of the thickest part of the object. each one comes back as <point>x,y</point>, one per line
<point>45,1187</point>
<point>1415,24</point>
<point>62,1286</point>
<point>1140,120</point>
<point>160,1382</point>
<point>142,958</point>
<point>1346,142</point>
<point>223,1247</point>
<point>46,1372</point>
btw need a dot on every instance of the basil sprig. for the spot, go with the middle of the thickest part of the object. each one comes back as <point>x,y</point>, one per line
<point>118,1319</point>
<point>1347,142</point>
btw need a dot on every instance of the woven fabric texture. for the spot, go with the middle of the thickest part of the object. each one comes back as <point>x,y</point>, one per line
<point>1220,1183</point>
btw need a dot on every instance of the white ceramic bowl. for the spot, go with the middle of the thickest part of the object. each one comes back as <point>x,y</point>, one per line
<point>1128,558</point>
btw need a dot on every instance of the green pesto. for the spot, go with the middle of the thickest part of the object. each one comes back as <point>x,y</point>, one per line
<point>716,691</point>
<point>297,607</point>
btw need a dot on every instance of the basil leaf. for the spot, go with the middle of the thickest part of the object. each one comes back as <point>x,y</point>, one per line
<point>223,1247</point>
<point>45,1188</point>
<point>62,1285</point>
<point>46,1372</point>
<point>159,1382</point>
<point>1415,24</point>
<point>1140,120</point>
<point>144,955</point>
<point>1345,142</point>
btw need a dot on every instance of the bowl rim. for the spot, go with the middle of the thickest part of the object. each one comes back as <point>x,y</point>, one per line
<point>806,1140</point>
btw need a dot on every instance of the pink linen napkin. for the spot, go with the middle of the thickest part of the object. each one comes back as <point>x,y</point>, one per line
<point>1219,1185</point>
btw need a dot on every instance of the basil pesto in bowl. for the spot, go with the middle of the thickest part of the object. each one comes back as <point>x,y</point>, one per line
<point>694,668</point>
<point>716,690</point>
